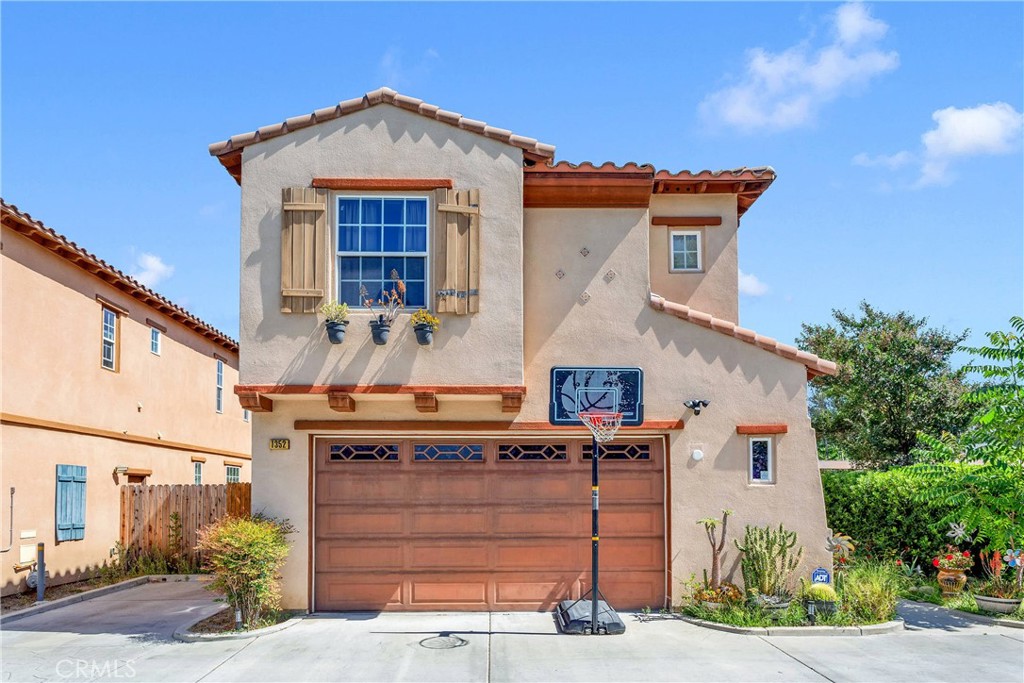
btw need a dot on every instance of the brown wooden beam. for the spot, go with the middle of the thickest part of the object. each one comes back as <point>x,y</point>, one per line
<point>426,402</point>
<point>320,389</point>
<point>688,221</point>
<point>383,184</point>
<point>341,402</point>
<point>762,429</point>
<point>255,402</point>
<point>511,402</point>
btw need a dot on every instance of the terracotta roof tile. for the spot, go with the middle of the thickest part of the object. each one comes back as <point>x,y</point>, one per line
<point>815,366</point>
<point>35,230</point>
<point>743,173</point>
<point>370,99</point>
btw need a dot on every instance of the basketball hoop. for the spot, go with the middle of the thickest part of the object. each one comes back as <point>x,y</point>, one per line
<point>602,425</point>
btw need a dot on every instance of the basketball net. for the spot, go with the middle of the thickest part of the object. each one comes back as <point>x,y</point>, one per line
<point>602,425</point>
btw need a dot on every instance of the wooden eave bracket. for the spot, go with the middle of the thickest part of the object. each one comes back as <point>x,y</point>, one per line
<point>753,429</point>
<point>255,401</point>
<point>426,402</point>
<point>341,402</point>
<point>512,401</point>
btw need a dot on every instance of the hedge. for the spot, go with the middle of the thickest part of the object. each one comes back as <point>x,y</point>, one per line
<point>877,509</point>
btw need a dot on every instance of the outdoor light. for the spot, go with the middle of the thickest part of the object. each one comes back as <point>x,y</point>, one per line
<point>697,454</point>
<point>696,404</point>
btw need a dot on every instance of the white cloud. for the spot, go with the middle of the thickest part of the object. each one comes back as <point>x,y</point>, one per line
<point>395,74</point>
<point>985,129</point>
<point>889,161</point>
<point>751,286</point>
<point>151,270</point>
<point>786,90</point>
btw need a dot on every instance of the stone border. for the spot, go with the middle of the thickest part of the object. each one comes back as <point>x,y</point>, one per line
<point>98,593</point>
<point>985,619</point>
<point>184,635</point>
<point>869,630</point>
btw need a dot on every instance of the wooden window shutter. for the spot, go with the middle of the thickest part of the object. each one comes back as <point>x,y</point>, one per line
<point>303,249</point>
<point>70,515</point>
<point>457,251</point>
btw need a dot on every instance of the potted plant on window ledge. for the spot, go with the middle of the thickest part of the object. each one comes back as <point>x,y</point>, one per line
<point>390,301</point>
<point>335,320</point>
<point>425,325</point>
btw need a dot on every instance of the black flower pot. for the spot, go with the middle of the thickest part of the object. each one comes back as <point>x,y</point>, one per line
<point>424,334</point>
<point>336,330</point>
<point>380,330</point>
<point>824,608</point>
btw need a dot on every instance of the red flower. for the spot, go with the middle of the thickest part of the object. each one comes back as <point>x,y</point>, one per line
<point>949,557</point>
<point>899,563</point>
<point>842,560</point>
<point>935,562</point>
<point>967,553</point>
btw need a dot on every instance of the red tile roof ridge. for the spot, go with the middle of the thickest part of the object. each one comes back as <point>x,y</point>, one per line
<point>69,250</point>
<point>373,98</point>
<point>757,172</point>
<point>815,365</point>
<point>589,166</point>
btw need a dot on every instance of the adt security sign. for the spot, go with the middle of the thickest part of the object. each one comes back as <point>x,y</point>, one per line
<point>821,575</point>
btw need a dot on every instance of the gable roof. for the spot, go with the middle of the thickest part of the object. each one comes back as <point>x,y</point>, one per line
<point>815,366</point>
<point>229,151</point>
<point>22,223</point>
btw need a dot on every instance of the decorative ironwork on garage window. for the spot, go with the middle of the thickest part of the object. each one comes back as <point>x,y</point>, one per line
<point>363,452</point>
<point>619,451</point>
<point>448,452</point>
<point>532,451</point>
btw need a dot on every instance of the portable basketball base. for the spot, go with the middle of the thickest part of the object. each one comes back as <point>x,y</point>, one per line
<point>594,616</point>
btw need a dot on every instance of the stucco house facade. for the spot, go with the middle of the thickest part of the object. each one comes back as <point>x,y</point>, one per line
<point>104,383</point>
<point>431,477</point>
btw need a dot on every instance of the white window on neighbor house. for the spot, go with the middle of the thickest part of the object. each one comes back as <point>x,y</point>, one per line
<point>108,354</point>
<point>685,251</point>
<point>154,341</point>
<point>761,460</point>
<point>220,386</point>
<point>245,414</point>
<point>234,474</point>
<point>197,473</point>
<point>378,236</point>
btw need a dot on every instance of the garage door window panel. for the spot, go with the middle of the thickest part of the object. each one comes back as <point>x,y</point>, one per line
<point>513,452</point>
<point>619,451</point>
<point>363,453</point>
<point>448,452</point>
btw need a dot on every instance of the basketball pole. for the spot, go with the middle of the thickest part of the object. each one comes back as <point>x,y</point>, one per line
<point>594,536</point>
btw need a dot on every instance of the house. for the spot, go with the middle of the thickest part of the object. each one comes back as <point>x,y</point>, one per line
<point>105,383</point>
<point>437,477</point>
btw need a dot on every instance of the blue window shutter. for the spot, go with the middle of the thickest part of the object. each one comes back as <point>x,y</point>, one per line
<point>70,502</point>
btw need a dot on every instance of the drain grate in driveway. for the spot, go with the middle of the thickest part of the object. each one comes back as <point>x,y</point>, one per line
<point>444,641</point>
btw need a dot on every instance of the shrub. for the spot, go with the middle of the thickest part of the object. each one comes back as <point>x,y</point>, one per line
<point>245,554</point>
<point>869,591</point>
<point>879,511</point>
<point>820,591</point>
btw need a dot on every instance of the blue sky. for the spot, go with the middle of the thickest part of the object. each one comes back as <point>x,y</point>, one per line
<point>895,128</point>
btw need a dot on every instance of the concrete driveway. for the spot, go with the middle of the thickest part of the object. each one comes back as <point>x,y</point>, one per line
<point>127,636</point>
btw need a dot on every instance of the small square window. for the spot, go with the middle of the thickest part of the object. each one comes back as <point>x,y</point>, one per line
<point>154,341</point>
<point>762,466</point>
<point>234,474</point>
<point>685,251</point>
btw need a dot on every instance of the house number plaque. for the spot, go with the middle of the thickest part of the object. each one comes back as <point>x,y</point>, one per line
<point>280,444</point>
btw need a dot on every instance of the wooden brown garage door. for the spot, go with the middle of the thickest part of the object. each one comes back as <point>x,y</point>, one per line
<point>484,524</point>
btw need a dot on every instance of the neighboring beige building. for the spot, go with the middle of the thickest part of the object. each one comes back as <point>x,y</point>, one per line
<point>430,477</point>
<point>104,383</point>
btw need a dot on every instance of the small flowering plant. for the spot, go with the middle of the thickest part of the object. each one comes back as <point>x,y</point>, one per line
<point>725,593</point>
<point>423,318</point>
<point>391,300</point>
<point>953,558</point>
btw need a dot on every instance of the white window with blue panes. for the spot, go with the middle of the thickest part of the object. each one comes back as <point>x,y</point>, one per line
<point>379,236</point>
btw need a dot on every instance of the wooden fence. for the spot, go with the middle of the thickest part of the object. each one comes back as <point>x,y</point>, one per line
<point>146,514</point>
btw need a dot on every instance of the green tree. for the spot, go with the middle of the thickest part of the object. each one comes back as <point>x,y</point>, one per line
<point>981,471</point>
<point>894,380</point>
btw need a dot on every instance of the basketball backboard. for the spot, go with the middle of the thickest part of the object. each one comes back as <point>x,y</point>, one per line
<point>579,389</point>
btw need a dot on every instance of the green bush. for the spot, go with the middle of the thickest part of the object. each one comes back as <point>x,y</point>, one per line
<point>869,591</point>
<point>245,554</point>
<point>878,510</point>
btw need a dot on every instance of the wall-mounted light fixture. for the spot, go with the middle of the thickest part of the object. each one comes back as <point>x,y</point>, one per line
<point>696,404</point>
<point>121,469</point>
<point>697,454</point>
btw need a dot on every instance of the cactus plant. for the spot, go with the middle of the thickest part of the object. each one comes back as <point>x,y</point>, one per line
<point>770,557</point>
<point>710,525</point>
